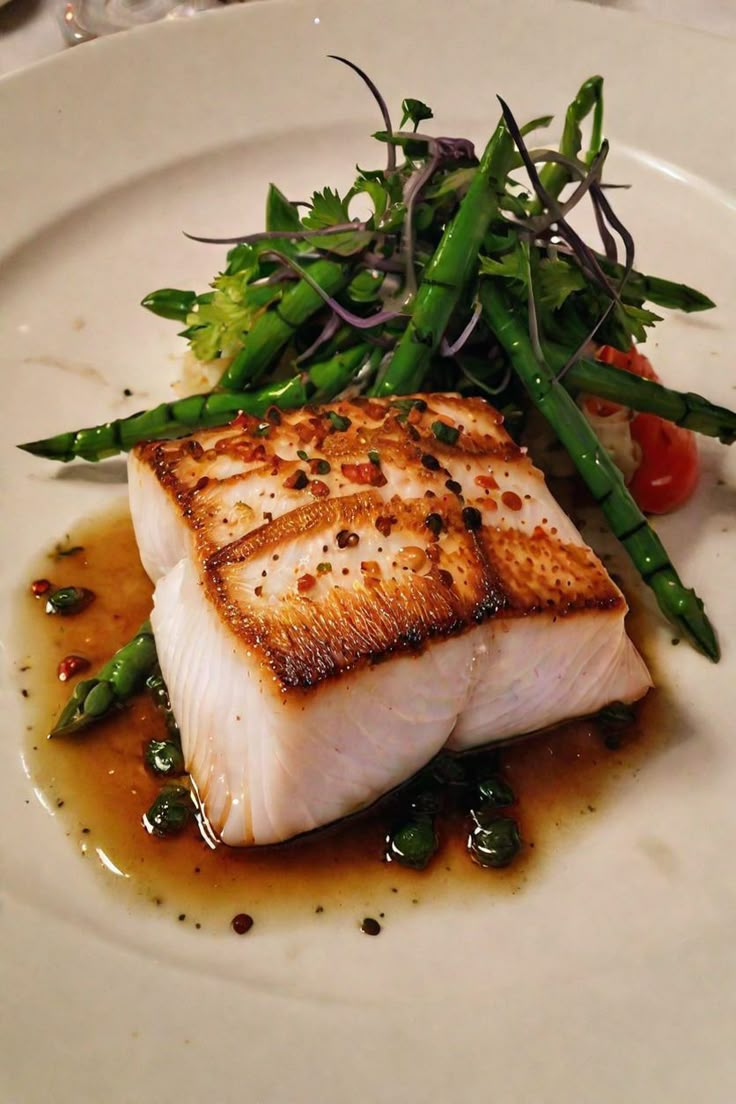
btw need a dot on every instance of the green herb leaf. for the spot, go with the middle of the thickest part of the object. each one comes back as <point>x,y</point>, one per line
<point>217,328</point>
<point>328,209</point>
<point>513,266</point>
<point>280,213</point>
<point>414,111</point>
<point>556,280</point>
<point>60,552</point>
<point>446,433</point>
<point>340,422</point>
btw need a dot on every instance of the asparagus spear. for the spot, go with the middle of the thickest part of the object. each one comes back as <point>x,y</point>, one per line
<point>273,329</point>
<point>113,685</point>
<point>665,293</point>
<point>449,270</point>
<point>326,379</point>
<point>605,482</point>
<point>685,409</point>
<point>554,176</point>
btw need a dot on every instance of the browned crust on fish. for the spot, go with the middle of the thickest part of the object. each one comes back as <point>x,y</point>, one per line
<point>472,573</point>
<point>500,574</point>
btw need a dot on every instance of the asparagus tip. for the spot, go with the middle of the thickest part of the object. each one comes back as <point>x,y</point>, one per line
<point>36,448</point>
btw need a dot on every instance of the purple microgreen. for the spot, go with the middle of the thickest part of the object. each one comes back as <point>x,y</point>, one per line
<point>282,235</point>
<point>441,151</point>
<point>609,242</point>
<point>625,235</point>
<point>329,330</point>
<point>413,188</point>
<point>541,223</point>
<point>448,349</point>
<point>532,307</point>
<point>584,345</point>
<point>382,264</point>
<point>391,162</point>
<point>582,251</point>
<point>355,320</point>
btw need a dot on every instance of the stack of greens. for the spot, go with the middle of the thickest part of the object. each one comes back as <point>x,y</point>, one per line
<point>464,275</point>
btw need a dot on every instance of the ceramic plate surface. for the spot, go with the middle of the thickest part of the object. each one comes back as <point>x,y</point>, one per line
<point>612,976</point>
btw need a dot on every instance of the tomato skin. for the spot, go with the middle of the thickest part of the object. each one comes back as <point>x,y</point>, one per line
<point>633,361</point>
<point>669,469</point>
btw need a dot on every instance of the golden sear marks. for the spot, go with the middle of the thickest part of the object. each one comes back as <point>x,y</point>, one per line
<point>233,486</point>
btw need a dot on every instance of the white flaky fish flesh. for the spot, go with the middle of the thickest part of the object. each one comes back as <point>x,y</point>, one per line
<point>343,591</point>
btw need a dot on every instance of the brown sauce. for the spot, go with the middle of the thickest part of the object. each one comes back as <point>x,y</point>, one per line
<point>98,787</point>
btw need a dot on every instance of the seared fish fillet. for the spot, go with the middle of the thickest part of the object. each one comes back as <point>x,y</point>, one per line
<point>341,592</point>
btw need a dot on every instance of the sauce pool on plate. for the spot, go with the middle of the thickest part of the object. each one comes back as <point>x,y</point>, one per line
<point>97,785</point>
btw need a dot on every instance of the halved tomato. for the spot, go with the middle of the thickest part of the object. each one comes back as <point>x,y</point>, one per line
<point>669,469</point>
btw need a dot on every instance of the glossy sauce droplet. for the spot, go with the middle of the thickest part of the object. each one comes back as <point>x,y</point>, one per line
<point>39,587</point>
<point>370,926</point>
<point>511,500</point>
<point>241,923</point>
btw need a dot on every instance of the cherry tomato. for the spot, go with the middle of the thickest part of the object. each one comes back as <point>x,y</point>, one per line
<point>669,468</point>
<point>633,361</point>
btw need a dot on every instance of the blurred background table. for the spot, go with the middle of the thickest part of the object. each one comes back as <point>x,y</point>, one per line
<point>31,29</point>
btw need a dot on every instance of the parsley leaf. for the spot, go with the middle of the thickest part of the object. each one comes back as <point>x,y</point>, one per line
<point>414,111</point>
<point>512,266</point>
<point>555,281</point>
<point>217,327</point>
<point>328,209</point>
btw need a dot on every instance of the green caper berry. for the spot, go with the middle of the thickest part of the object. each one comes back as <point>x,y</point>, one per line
<point>170,812</point>
<point>426,803</point>
<point>68,600</point>
<point>496,843</point>
<point>495,790</point>
<point>413,844</point>
<point>164,757</point>
<point>449,770</point>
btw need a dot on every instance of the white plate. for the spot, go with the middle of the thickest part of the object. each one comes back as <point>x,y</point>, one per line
<point>613,975</point>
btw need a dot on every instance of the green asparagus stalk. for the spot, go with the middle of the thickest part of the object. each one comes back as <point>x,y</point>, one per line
<point>665,293</point>
<point>684,408</point>
<point>114,685</point>
<point>450,269</point>
<point>554,176</point>
<point>322,382</point>
<point>605,482</point>
<point>277,326</point>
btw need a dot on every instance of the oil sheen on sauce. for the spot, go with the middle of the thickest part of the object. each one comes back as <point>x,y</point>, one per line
<point>97,786</point>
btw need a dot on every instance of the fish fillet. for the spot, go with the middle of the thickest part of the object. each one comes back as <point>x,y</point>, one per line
<point>341,592</point>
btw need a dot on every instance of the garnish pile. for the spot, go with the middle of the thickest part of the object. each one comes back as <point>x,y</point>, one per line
<point>464,274</point>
